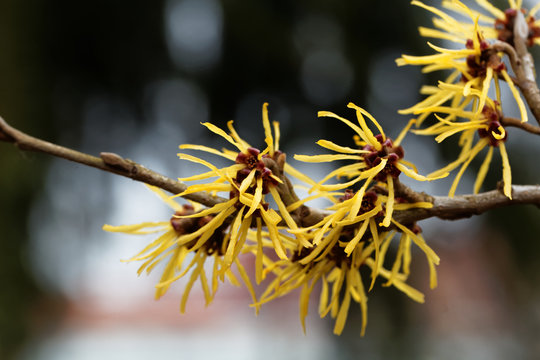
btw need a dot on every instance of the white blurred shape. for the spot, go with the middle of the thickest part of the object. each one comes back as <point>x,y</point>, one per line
<point>194,33</point>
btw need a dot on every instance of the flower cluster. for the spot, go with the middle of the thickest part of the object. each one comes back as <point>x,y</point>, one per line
<point>360,227</point>
<point>221,230</point>
<point>202,237</point>
<point>461,103</point>
<point>298,247</point>
<point>356,229</point>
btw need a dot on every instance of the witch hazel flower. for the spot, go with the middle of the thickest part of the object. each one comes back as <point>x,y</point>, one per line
<point>474,67</point>
<point>185,245</point>
<point>378,159</point>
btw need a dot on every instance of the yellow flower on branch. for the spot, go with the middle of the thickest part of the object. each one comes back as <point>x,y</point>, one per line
<point>491,135</point>
<point>247,182</point>
<point>495,23</point>
<point>221,231</point>
<point>378,159</point>
<point>338,229</point>
<point>464,94</point>
<point>341,246</point>
<point>184,237</point>
<point>339,276</point>
<point>473,68</point>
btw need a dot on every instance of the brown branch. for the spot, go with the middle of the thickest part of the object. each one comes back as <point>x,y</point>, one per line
<point>523,65</point>
<point>465,206</point>
<point>285,189</point>
<point>447,208</point>
<point>443,207</point>
<point>107,161</point>
<point>510,121</point>
<point>409,194</point>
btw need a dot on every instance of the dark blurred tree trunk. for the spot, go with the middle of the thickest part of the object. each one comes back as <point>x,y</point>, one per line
<point>22,99</point>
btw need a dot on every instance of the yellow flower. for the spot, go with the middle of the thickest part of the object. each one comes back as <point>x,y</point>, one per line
<point>221,231</point>
<point>340,276</point>
<point>496,23</point>
<point>330,231</point>
<point>491,134</point>
<point>379,159</point>
<point>247,182</point>
<point>464,93</point>
<point>340,247</point>
<point>473,67</point>
<point>182,236</point>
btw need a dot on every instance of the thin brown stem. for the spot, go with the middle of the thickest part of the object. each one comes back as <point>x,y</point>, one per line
<point>457,207</point>
<point>110,162</point>
<point>510,121</point>
<point>443,207</point>
<point>465,206</point>
<point>409,194</point>
<point>522,64</point>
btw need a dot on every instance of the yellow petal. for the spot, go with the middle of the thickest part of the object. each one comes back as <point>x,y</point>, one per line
<point>462,52</point>
<point>389,202</point>
<point>342,149</point>
<point>534,9</point>
<point>137,228</point>
<point>485,88</point>
<point>420,242</point>
<point>208,150</point>
<point>224,135</point>
<point>364,125</point>
<point>276,135</point>
<point>416,205</point>
<point>507,173</point>
<point>406,289</point>
<point>247,282</point>
<point>427,32</point>
<point>403,132</point>
<point>236,137</point>
<point>326,158</point>
<point>213,210</point>
<point>416,176</point>
<point>257,198</point>
<point>482,143</point>
<point>357,129</point>
<point>483,171</point>
<point>342,315</point>
<point>274,234</point>
<point>352,244</point>
<point>436,11</point>
<point>492,9</point>
<point>259,254</point>
<point>234,231</point>
<point>304,304</point>
<point>517,96</point>
<point>297,174</point>
<point>187,289</point>
<point>376,244</point>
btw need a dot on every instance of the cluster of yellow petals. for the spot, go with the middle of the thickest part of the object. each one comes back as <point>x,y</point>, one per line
<point>336,263</point>
<point>331,251</point>
<point>459,102</point>
<point>174,248</point>
<point>360,170</point>
<point>337,254</point>
<point>359,227</point>
<point>233,218</point>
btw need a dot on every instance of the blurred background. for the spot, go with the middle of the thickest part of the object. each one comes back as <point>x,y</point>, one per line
<point>137,78</point>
